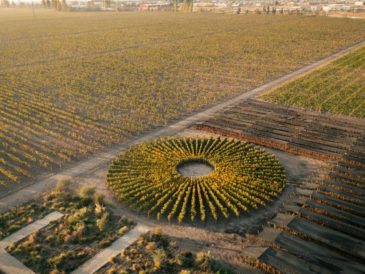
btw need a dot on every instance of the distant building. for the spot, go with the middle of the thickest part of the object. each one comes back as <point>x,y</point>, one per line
<point>155,6</point>
<point>72,4</point>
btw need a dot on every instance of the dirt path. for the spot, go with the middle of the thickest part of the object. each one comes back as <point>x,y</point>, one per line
<point>100,259</point>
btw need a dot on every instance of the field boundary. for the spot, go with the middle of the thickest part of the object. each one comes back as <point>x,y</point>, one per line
<point>35,189</point>
<point>8,263</point>
<point>103,257</point>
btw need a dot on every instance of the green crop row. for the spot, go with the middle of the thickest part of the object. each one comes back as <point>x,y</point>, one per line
<point>338,88</point>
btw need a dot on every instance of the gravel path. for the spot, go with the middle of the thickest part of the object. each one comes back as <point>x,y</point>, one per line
<point>8,263</point>
<point>100,259</point>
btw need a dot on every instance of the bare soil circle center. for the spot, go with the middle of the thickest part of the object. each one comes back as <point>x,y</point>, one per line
<point>194,168</point>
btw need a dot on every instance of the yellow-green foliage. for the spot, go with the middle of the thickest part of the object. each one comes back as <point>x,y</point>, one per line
<point>338,88</point>
<point>244,177</point>
<point>73,82</point>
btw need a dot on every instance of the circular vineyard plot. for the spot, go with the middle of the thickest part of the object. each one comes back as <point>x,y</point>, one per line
<point>196,179</point>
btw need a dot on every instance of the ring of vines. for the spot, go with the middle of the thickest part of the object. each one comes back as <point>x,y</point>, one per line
<point>244,177</point>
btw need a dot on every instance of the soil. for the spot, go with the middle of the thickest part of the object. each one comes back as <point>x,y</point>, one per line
<point>194,168</point>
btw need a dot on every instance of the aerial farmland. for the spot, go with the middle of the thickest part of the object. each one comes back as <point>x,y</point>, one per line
<point>181,142</point>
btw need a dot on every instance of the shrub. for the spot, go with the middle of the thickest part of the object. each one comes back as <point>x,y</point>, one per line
<point>87,192</point>
<point>103,221</point>
<point>203,260</point>
<point>184,271</point>
<point>159,258</point>
<point>63,186</point>
<point>123,230</point>
<point>151,246</point>
<point>185,259</point>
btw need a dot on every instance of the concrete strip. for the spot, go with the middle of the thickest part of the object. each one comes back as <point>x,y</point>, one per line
<point>281,220</point>
<point>304,192</point>
<point>29,229</point>
<point>254,251</point>
<point>10,265</point>
<point>100,259</point>
<point>33,191</point>
<point>290,208</point>
<point>309,185</point>
<point>269,234</point>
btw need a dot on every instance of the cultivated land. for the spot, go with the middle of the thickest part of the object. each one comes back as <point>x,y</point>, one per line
<point>338,88</point>
<point>69,91</point>
<point>313,217</point>
<point>243,178</point>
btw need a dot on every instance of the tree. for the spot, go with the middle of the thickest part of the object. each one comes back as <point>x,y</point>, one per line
<point>5,3</point>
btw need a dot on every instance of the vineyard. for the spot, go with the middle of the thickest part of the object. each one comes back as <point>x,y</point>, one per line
<point>69,91</point>
<point>338,88</point>
<point>291,130</point>
<point>244,177</point>
<point>321,225</point>
<point>328,229</point>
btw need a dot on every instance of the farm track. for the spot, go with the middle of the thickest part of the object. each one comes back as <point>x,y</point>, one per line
<point>11,198</point>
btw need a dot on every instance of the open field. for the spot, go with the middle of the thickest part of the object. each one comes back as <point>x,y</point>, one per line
<point>338,88</point>
<point>67,92</point>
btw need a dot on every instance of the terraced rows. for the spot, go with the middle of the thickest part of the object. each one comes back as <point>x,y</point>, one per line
<point>321,229</point>
<point>288,129</point>
<point>327,234</point>
<point>35,135</point>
